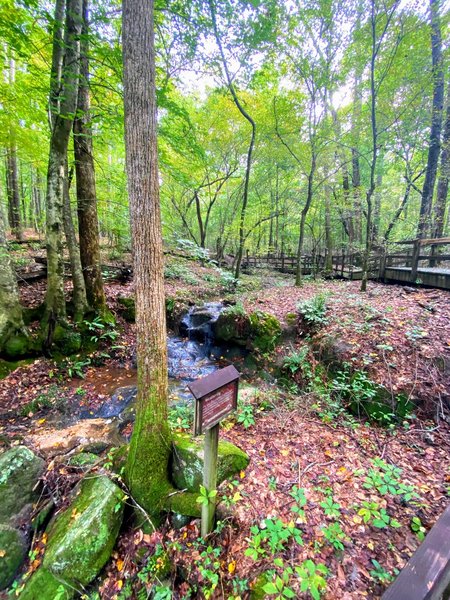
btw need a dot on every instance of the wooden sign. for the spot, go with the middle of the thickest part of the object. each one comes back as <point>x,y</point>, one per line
<point>215,398</point>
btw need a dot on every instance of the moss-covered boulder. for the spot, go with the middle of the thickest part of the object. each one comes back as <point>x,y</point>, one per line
<point>265,331</point>
<point>17,346</point>
<point>83,460</point>
<point>13,550</point>
<point>188,458</point>
<point>44,585</point>
<point>66,341</point>
<point>127,308</point>
<point>232,326</point>
<point>81,539</point>
<point>20,470</point>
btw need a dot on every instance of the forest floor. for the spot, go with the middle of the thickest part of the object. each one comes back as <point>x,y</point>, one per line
<point>321,485</point>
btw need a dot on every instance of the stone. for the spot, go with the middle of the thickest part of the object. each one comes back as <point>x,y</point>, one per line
<point>127,308</point>
<point>89,435</point>
<point>13,551</point>
<point>265,331</point>
<point>20,470</point>
<point>232,327</point>
<point>83,460</point>
<point>81,539</point>
<point>332,352</point>
<point>43,585</point>
<point>187,462</point>
<point>66,341</point>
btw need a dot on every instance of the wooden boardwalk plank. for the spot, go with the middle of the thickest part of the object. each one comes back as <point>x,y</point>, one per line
<point>426,576</point>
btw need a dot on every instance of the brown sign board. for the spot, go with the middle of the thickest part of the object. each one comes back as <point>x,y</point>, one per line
<point>215,398</point>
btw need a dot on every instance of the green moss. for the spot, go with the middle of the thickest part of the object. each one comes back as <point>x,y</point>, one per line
<point>187,462</point>
<point>20,470</point>
<point>44,586</point>
<point>16,346</point>
<point>128,308</point>
<point>83,460</point>
<point>81,539</point>
<point>7,367</point>
<point>66,341</point>
<point>265,331</point>
<point>232,326</point>
<point>12,554</point>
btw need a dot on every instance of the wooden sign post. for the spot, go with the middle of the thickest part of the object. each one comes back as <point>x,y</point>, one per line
<point>215,398</point>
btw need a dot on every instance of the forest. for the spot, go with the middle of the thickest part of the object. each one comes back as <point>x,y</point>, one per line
<point>192,187</point>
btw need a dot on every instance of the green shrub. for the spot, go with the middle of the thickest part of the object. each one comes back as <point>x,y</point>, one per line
<point>313,311</point>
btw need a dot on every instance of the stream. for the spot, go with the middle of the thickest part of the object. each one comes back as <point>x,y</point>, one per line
<point>191,355</point>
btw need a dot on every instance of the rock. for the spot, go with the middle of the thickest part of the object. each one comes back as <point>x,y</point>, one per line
<point>45,585</point>
<point>90,435</point>
<point>13,551</point>
<point>66,341</point>
<point>233,327</point>
<point>81,539</point>
<point>332,352</point>
<point>187,462</point>
<point>20,471</point>
<point>128,308</point>
<point>83,460</point>
<point>265,331</point>
<point>119,401</point>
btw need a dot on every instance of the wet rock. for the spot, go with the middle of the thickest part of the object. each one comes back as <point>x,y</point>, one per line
<point>232,327</point>
<point>121,398</point>
<point>20,470</point>
<point>187,462</point>
<point>81,539</point>
<point>265,331</point>
<point>89,435</point>
<point>83,460</point>
<point>13,551</point>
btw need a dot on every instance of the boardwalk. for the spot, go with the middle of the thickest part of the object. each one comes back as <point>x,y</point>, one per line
<point>422,262</point>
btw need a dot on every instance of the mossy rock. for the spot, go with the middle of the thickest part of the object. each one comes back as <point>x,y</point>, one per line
<point>44,586</point>
<point>81,538</point>
<point>66,341</point>
<point>127,308</point>
<point>17,346</point>
<point>332,352</point>
<point>187,462</point>
<point>20,470</point>
<point>232,327</point>
<point>83,460</point>
<point>13,551</point>
<point>265,331</point>
<point>7,367</point>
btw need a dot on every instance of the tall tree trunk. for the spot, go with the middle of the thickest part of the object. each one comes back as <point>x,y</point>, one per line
<point>328,267</point>
<point>249,119</point>
<point>85,178</point>
<point>62,108</point>
<point>13,334</point>
<point>12,188</point>
<point>148,458</point>
<point>79,290</point>
<point>444,176</point>
<point>424,225</point>
<point>304,213</point>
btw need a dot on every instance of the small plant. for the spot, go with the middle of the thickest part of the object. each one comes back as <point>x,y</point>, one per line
<point>312,577</point>
<point>379,573</point>
<point>180,417</point>
<point>298,494</point>
<point>331,508</point>
<point>313,311</point>
<point>75,367</point>
<point>208,567</point>
<point>371,512</point>
<point>386,479</point>
<point>418,528</point>
<point>272,483</point>
<point>280,586</point>
<point>101,330</point>
<point>206,497</point>
<point>294,362</point>
<point>334,534</point>
<point>255,549</point>
<point>245,416</point>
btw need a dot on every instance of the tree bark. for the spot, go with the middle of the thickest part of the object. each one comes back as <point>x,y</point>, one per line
<point>147,464</point>
<point>424,225</point>
<point>304,213</point>
<point>11,321</point>
<point>79,290</point>
<point>62,107</point>
<point>85,180</point>
<point>444,176</point>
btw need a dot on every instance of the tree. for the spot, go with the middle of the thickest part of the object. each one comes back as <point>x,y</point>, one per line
<point>85,180</point>
<point>150,446</point>
<point>424,224</point>
<point>63,100</point>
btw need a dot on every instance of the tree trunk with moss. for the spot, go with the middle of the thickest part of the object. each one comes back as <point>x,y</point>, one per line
<point>79,289</point>
<point>150,447</point>
<point>12,329</point>
<point>86,192</point>
<point>63,101</point>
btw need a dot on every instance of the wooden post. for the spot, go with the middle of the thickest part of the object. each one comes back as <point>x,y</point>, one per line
<point>415,261</point>
<point>210,478</point>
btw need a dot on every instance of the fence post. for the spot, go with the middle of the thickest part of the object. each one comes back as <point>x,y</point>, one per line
<point>415,260</point>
